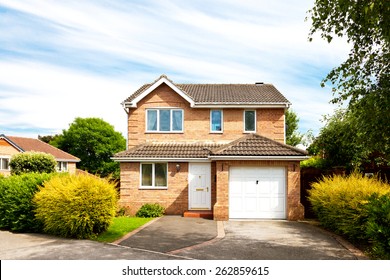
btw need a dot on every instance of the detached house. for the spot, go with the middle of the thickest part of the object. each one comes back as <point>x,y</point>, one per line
<point>10,145</point>
<point>212,147</point>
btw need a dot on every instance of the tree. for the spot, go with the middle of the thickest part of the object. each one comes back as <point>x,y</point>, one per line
<point>94,141</point>
<point>336,141</point>
<point>366,24</point>
<point>293,137</point>
<point>363,79</point>
<point>47,138</point>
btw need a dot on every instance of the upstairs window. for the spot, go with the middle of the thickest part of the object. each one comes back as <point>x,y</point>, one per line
<point>250,121</point>
<point>216,121</point>
<point>4,163</point>
<point>164,120</point>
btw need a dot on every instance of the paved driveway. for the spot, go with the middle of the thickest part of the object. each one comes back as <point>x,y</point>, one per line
<point>272,240</point>
<point>174,237</point>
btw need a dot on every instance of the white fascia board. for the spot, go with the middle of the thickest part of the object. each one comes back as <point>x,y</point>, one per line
<point>241,105</point>
<point>133,104</point>
<point>9,141</point>
<point>67,160</point>
<point>124,159</point>
<point>283,158</point>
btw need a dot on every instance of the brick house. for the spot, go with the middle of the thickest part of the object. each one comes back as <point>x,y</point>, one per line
<point>11,145</point>
<point>212,147</point>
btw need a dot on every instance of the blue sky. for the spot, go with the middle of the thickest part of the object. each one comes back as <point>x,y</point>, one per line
<point>65,59</point>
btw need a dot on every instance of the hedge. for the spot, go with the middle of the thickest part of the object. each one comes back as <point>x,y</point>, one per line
<point>16,207</point>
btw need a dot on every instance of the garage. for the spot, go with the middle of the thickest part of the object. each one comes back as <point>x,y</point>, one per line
<point>257,193</point>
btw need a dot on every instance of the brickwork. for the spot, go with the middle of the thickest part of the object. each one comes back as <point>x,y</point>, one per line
<point>295,210</point>
<point>174,198</point>
<point>197,121</point>
<point>71,167</point>
<point>270,123</point>
<point>7,150</point>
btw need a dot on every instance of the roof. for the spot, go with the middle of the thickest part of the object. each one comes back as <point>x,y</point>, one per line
<point>216,94</point>
<point>171,150</point>
<point>24,144</point>
<point>257,145</point>
<point>252,146</point>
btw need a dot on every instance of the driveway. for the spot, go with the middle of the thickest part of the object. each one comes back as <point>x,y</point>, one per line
<point>273,240</point>
<point>175,237</point>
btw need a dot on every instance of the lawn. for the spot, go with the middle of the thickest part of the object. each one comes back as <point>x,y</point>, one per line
<point>120,227</point>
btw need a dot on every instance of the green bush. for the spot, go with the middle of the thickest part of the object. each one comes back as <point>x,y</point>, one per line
<point>16,207</point>
<point>378,225</point>
<point>150,211</point>
<point>32,162</point>
<point>339,202</point>
<point>79,206</point>
<point>315,162</point>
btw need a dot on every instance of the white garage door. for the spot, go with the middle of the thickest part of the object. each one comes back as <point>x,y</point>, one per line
<point>257,193</point>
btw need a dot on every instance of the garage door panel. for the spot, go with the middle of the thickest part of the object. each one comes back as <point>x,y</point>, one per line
<point>257,192</point>
<point>236,204</point>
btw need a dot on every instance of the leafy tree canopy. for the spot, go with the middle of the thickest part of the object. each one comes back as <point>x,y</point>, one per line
<point>293,137</point>
<point>366,24</point>
<point>363,79</point>
<point>94,141</point>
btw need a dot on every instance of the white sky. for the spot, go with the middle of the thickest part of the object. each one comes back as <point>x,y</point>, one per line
<point>65,59</point>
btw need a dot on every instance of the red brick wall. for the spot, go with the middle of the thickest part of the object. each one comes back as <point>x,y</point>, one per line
<point>270,122</point>
<point>174,199</point>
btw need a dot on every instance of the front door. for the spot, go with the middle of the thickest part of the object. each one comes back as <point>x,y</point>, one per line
<point>199,186</point>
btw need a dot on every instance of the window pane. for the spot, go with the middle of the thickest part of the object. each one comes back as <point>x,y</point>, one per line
<point>250,121</point>
<point>4,163</point>
<point>146,174</point>
<point>165,120</point>
<point>160,172</point>
<point>216,120</point>
<point>177,120</point>
<point>64,166</point>
<point>152,120</point>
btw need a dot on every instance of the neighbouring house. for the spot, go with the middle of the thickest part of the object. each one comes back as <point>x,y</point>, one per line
<point>213,147</point>
<point>11,145</point>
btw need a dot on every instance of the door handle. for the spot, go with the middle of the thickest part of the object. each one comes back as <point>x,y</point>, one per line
<point>207,189</point>
<point>257,182</point>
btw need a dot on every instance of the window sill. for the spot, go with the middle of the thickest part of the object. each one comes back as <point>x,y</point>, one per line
<point>216,132</point>
<point>153,188</point>
<point>247,132</point>
<point>164,132</point>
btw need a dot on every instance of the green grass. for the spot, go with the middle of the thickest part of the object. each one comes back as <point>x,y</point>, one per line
<point>120,227</point>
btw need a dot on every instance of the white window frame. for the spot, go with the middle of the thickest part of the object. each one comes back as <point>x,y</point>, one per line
<point>243,117</point>
<point>158,120</point>
<point>152,187</point>
<point>1,163</point>
<point>64,166</point>
<point>211,121</point>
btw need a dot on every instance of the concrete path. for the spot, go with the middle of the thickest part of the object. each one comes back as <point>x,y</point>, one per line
<point>272,240</point>
<point>175,237</point>
<point>171,233</point>
<point>15,246</point>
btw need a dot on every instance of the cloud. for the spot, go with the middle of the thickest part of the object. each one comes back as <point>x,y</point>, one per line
<point>64,59</point>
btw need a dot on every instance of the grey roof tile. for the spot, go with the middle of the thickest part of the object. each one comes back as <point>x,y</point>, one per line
<point>249,145</point>
<point>225,93</point>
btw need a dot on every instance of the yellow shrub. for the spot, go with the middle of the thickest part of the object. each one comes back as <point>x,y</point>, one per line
<point>76,205</point>
<point>339,202</point>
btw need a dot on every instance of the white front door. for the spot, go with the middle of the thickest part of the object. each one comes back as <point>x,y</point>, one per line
<point>199,186</point>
